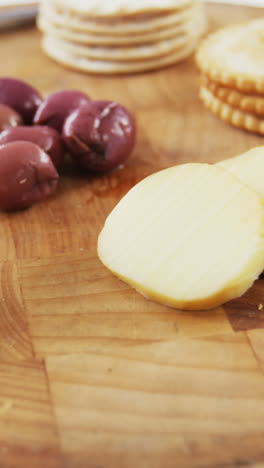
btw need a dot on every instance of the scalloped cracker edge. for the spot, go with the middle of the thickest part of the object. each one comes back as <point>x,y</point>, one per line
<point>246,102</point>
<point>209,63</point>
<point>231,115</point>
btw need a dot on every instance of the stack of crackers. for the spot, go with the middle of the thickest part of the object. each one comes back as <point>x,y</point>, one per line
<point>232,63</point>
<point>120,36</point>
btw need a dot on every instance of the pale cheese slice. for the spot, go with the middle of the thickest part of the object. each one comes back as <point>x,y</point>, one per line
<point>190,236</point>
<point>248,168</point>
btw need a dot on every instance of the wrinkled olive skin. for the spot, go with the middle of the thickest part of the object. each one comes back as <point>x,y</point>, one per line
<point>21,97</point>
<point>27,175</point>
<point>100,135</point>
<point>47,138</point>
<point>9,117</point>
<point>57,106</point>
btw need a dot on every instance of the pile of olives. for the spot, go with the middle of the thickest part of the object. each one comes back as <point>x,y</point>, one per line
<point>36,133</point>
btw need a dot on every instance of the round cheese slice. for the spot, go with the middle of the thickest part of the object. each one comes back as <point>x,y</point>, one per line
<point>190,237</point>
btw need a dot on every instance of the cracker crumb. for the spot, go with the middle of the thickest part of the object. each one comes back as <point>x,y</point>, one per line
<point>260,306</point>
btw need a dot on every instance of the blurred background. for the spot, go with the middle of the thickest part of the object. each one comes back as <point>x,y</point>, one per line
<point>259,3</point>
<point>16,12</point>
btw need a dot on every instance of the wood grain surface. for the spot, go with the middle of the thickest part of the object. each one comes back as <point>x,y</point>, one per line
<point>92,375</point>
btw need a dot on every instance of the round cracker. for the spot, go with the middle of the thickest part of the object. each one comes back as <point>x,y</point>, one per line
<point>231,115</point>
<point>125,54</point>
<point>103,8</point>
<point>102,67</point>
<point>118,27</point>
<point>234,57</point>
<point>48,27</point>
<point>252,103</point>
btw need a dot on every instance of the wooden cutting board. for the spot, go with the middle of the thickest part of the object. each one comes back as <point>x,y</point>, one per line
<point>92,375</point>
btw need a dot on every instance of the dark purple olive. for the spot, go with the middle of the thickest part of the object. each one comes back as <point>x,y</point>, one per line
<point>57,106</point>
<point>21,97</point>
<point>100,135</point>
<point>47,138</point>
<point>27,175</point>
<point>9,117</point>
